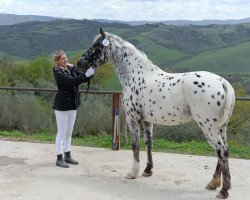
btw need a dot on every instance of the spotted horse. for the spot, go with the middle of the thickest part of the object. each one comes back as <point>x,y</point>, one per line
<point>151,95</point>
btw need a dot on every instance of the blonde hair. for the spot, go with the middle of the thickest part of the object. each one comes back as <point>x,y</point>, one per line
<point>57,55</point>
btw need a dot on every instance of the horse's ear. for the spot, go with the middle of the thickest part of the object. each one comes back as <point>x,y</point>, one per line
<point>102,33</point>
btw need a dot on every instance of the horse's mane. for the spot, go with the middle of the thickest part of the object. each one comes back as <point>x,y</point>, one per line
<point>129,47</point>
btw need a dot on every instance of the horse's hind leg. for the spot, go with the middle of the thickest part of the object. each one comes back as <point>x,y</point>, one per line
<point>148,132</point>
<point>216,180</point>
<point>218,140</point>
<point>223,158</point>
<point>135,134</point>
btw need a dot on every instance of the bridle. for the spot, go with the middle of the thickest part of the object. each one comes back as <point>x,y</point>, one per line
<point>89,58</point>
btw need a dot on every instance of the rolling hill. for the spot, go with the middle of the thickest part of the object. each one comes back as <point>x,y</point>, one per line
<point>217,48</point>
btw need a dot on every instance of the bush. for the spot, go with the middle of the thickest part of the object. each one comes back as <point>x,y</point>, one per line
<point>24,113</point>
<point>94,115</point>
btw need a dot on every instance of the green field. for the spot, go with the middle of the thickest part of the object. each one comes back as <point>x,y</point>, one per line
<point>233,59</point>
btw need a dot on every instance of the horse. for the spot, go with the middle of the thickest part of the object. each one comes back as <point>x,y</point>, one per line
<point>153,96</point>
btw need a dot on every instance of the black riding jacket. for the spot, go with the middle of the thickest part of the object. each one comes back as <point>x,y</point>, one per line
<point>68,97</point>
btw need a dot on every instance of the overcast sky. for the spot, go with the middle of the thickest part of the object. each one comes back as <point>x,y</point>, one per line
<point>130,10</point>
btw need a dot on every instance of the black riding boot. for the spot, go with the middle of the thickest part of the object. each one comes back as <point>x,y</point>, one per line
<point>60,162</point>
<point>69,159</point>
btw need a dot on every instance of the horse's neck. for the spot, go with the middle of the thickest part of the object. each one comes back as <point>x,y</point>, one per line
<point>129,62</point>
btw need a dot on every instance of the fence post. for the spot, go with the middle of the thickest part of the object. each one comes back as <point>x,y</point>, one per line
<point>116,122</point>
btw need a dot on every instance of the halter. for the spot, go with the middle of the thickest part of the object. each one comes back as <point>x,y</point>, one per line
<point>91,57</point>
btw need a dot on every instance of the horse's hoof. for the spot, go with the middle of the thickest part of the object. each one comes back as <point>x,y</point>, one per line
<point>146,174</point>
<point>129,176</point>
<point>222,196</point>
<point>210,187</point>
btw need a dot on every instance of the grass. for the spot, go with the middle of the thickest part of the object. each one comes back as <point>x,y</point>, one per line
<point>232,59</point>
<point>159,145</point>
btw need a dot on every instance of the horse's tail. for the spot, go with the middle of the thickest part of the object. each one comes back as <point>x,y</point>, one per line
<point>229,103</point>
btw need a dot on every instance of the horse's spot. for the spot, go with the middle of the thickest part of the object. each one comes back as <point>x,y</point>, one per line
<point>208,103</point>
<point>202,83</point>
<point>208,86</point>
<point>163,97</point>
<point>222,96</point>
<point>212,96</point>
<point>224,87</point>
<point>173,84</point>
<point>131,97</point>
<point>203,90</point>
<point>178,80</point>
<point>218,103</point>
<point>195,92</point>
<point>150,91</point>
<point>218,93</point>
<point>153,102</point>
<point>169,114</point>
<point>137,92</point>
<point>214,119</point>
<point>198,75</point>
<point>160,107</point>
<point>195,82</point>
<point>200,86</point>
<point>207,120</point>
<point>201,124</point>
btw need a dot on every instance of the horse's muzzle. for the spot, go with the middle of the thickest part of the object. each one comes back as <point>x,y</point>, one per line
<point>82,64</point>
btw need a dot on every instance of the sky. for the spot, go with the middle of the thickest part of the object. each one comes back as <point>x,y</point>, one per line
<point>131,10</point>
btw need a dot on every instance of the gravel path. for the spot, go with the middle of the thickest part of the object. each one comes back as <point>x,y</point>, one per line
<point>28,171</point>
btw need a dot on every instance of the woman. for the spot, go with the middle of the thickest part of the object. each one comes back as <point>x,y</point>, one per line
<point>66,102</point>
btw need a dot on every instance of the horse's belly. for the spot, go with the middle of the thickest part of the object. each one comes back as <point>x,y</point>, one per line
<point>169,116</point>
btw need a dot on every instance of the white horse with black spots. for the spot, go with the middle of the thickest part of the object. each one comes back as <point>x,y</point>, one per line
<point>151,95</point>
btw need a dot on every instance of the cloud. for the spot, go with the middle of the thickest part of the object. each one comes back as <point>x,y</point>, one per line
<point>131,10</point>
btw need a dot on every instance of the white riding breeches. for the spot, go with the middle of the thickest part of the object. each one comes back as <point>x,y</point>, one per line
<point>65,123</point>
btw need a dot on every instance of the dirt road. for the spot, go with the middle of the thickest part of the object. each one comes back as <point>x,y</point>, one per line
<point>28,171</point>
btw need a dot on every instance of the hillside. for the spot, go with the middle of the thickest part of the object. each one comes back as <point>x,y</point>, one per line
<point>179,47</point>
<point>10,19</point>
<point>233,59</point>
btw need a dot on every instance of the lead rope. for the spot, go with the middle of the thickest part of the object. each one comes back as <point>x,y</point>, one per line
<point>87,92</point>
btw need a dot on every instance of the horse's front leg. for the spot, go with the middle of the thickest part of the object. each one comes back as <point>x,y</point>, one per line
<point>135,134</point>
<point>148,133</point>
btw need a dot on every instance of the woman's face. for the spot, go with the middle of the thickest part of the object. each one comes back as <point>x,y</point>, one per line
<point>63,61</point>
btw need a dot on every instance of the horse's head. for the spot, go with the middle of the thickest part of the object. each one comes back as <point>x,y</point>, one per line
<point>97,54</point>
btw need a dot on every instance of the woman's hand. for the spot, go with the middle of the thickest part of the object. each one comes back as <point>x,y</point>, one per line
<point>90,72</point>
